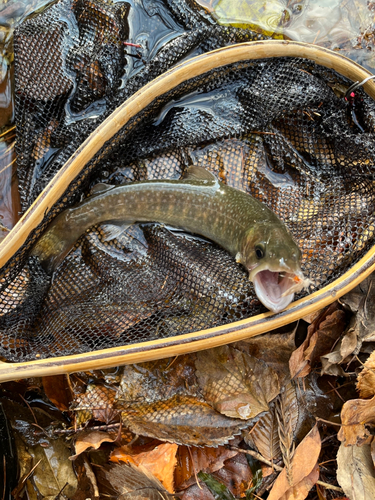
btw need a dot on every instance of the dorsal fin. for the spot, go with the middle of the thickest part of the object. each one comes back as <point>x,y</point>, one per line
<point>198,174</point>
<point>100,188</point>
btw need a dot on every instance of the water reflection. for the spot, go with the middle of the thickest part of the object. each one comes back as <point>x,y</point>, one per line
<point>341,25</point>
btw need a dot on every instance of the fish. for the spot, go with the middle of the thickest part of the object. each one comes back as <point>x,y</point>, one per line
<point>200,204</point>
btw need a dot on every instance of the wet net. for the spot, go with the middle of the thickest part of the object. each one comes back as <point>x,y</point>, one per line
<point>279,129</point>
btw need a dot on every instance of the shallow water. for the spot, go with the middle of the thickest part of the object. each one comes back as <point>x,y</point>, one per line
<point>12,12</point>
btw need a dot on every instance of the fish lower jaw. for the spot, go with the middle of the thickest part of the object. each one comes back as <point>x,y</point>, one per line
<point>275,291</point>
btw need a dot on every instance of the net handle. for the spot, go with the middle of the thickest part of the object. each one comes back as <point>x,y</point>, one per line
<point>179,74</point>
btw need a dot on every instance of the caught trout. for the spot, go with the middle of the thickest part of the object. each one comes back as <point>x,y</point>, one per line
<point>201,204</point>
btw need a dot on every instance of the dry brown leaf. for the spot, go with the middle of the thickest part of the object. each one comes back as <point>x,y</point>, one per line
<point>181,420</point>
<point>264,436</point>
<point>295,483</point>
<point>361,301</point>
<point>356,415</point>
<point>128,481</point>
<point>366,379</point>
<point>355,472</point>
<point>372,445</point>
<point>344,348</point>
<point>191,460</point>
<point>91,439</point>
<point>160,461</point>
<point>234,383</point>
<point>321,336</point>
<point>58,391</point>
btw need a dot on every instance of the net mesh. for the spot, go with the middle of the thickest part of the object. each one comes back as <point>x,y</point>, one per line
<point>279,129</point>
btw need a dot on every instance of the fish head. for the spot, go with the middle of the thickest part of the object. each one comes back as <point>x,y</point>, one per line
<point>273,260</point>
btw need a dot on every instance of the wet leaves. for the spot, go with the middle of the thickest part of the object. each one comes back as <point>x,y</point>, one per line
<point>160,461</point>
<point>40,452</point>
<point>59,391</point>
<point>183,420</point>
<point>191,459</point>
<point>128,481</point>
<point>235,383</point>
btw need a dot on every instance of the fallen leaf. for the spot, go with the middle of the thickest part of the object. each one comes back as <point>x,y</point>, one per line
<point>196,492</point>
<point>236,475</point>
<point>356,415</point>
<point>91,439</point>
<point>264,436</point>
<point>181,420</point>
<point>321,336</point>
<point>372,447</point>
<point>55,470</point>
<point>160,461</point>
<point>295,483</point>
<point>125,481</point>
<point>191,460</point>
<point>355,472</point>
<point>96,403</point>
<point>8,458</point>
<point>87,485</point>
<point>234,383</point>
<point>345,347</point>
<point>218,490</point>
<point>159,380</point>
<point>361,301</point>
<point>366,378</point>
<point>275,347</point>
<point>58,391</point>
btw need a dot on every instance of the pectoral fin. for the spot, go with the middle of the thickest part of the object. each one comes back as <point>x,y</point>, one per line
<point>112,231</point>
<point>198,174</point>
<point>100,188</point>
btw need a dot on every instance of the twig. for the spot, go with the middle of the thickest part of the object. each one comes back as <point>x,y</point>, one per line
<point>336,392</point>
<point>91,476</point>
<point>257,456</point>
<point>277,467</point>
<point>7,166</point>
<point>330,486</point>
<point>94,428</point>
<point>193,465</point>
<point>318,419</point>
<point>7,131</point>
<point>62,489</point>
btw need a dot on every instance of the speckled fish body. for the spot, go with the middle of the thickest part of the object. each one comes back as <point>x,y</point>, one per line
<point>201,204</point>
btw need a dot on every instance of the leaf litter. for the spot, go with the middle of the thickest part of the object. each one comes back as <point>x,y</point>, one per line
<point>195,425</point>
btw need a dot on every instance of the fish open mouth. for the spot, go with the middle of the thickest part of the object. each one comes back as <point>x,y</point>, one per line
<point>276,289</point>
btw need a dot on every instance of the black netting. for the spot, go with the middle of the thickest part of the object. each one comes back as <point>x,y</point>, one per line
<point>279,129</point>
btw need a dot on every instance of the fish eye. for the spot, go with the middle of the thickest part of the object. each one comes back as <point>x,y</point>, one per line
<point>259,252</point>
